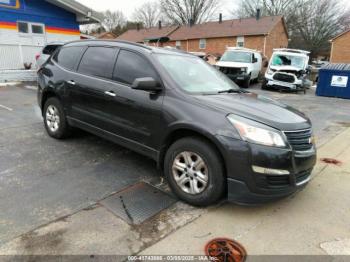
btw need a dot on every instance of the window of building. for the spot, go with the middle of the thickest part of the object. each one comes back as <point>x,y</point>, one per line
<point>23,27</point>
<point>202,43</point>
<point>131,66</point>
<point>98,61</point>
<point>178,44</point>
<point>30,28</point>
<point>240,41</point>
<point>37,29</point>
<point>68,57</point>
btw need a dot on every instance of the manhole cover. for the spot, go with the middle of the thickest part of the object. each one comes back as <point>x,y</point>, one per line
<point>138,203</point>
<point>331,161</point>
<point>226,250</point>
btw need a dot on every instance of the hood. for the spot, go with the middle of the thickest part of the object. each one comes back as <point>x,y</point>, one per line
<point>232,64</point>
<point>287,68</point>
<point>258,108</point>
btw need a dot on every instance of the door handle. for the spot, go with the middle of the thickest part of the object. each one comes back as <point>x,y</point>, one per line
<point>71,82</point>
<point>110,93</point>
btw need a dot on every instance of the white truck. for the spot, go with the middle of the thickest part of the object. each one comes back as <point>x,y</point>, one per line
<point>241,65</point>
<point>288,70</point>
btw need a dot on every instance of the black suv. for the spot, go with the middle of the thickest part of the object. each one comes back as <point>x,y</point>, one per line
<point>211,139</point>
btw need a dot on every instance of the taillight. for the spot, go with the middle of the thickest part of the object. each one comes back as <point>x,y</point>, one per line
<point>37,56</point>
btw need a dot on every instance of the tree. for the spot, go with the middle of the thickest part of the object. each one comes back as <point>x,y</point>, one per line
<point>112,20</point>
<point>248,8</point>
<point>311,24</point>
<point>317,22</point>
<point>148,14</point>
<point>185,11</point>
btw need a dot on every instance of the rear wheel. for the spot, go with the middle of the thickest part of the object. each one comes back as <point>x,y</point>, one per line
<point>194,171</point>
<point>55,120</point>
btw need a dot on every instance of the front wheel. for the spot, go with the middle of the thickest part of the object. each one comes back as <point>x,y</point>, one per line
<point>264,84</point>
<point>246,83</point>
<point>195,172</point>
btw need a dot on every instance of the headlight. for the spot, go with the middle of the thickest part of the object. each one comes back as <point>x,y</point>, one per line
<point>270,72</point>
<point>243,69</point>
<point>257,133</point>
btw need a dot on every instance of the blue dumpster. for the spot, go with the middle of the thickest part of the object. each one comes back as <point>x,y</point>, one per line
<point>334,81</point>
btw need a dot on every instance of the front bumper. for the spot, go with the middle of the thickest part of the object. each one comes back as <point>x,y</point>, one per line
<point>239,77</point>
<point>295,86</point>
<point>245,186</point>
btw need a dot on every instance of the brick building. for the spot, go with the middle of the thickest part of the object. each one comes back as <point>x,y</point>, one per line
<point>341,48</point>
<point>105,35</point>
<point>260,33</point>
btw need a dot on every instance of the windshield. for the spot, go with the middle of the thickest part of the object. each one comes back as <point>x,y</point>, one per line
<point>288,60</point>
<point>234,56</point>
<point>194,75</point>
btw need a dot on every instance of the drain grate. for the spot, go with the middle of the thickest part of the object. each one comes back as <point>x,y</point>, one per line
<point>222,250</point>
<point>138,203</point>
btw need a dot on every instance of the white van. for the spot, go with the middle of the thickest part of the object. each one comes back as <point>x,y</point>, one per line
<point>241,65</point>
<point>288,70</point>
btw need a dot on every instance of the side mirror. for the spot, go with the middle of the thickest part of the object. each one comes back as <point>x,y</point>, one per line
<point>146,84</point>
<point>266,64</point>
<point>255,60</point>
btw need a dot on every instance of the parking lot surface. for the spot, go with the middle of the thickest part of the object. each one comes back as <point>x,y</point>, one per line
<point>52,192</point>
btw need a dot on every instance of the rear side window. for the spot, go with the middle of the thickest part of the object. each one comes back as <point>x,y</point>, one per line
<point>131,66</point>
<point>98,61</point>
<point>68,57</point>
<point>48,50</point>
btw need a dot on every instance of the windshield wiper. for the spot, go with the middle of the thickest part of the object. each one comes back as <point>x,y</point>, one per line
<point>231,91</point>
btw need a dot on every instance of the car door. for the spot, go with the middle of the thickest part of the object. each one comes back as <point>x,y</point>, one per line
<point>136,113</point>
<point>90,86</point>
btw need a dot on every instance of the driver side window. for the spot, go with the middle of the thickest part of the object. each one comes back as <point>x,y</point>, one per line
<point>131,66</point>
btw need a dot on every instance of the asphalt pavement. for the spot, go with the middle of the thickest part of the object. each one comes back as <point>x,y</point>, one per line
<point>52,192</point>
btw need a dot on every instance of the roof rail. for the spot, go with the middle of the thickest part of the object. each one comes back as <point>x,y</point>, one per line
<point>291,50</point>
<point>112,40</point>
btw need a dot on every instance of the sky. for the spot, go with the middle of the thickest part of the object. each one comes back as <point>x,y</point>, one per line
<point>128,6</point>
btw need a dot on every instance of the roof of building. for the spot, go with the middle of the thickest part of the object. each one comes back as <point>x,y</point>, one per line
<point>105,35</point>
<point>235,27</point>
<point>141,35</point>
<point>341,34</point>
<point>85,15</point>
<point>228,28</point>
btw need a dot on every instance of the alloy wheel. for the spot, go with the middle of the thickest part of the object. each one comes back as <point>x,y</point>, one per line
<point>52,118</point>
<point>190,173</point>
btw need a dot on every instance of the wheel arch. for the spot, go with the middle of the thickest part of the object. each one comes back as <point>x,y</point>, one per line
<point>183,132</point>
<point>46,95</point>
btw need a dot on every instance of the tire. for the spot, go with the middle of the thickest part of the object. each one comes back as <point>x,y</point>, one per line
<point>55,120</point>
<point>246,83</point>
<point>211,172</point>
<point>264,85</point>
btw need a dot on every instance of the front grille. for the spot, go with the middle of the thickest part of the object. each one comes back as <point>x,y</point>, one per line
<point>283,77</point>
<point>300,140</point>
<point>230,70</point>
